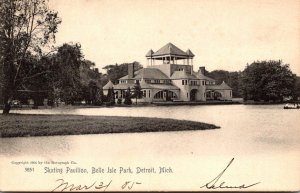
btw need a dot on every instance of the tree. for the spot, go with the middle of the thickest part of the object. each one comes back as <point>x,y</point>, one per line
<point>65,73</point>
<point>137,91</point>
<point>99,98</point>
<point>296,92</point>
<point>26,27</point>
<point>127,100</point>
<point>110,98</point>
<point>267,80</point>
<point>91,82</point>
<point>114,72</point>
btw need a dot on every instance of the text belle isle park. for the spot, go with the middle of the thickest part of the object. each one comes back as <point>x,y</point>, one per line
<point>108,170</point>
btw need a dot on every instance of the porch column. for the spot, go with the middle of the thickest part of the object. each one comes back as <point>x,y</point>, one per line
<point>192,66</point>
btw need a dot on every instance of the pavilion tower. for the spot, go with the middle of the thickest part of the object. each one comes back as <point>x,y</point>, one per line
<point>170,54</point>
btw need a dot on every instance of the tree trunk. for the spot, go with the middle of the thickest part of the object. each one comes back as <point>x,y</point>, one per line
<point>6,108</point>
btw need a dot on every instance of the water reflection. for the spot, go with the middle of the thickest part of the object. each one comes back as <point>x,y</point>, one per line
<point>244,130</point>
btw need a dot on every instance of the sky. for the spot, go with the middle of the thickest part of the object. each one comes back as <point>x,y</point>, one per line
<point>222,34</point>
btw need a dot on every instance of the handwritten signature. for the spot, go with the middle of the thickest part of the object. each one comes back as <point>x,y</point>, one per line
<point>65,186</point>
<point>215,184</point>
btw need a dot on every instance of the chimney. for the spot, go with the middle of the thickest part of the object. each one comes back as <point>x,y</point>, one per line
<point>202,69</point>
<point>130,70</point>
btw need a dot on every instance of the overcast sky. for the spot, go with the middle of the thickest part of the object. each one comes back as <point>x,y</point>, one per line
<point>222,34</point>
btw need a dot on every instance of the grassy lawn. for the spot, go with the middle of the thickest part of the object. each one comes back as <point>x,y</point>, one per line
<point>16,125</point>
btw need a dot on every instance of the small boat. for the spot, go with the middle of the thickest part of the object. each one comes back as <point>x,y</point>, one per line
<point>291,106</point>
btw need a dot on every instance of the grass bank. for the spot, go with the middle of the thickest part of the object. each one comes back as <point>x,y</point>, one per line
<point>17,125</point>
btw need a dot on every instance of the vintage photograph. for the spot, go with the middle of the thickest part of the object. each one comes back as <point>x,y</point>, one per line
<point>160,95</point>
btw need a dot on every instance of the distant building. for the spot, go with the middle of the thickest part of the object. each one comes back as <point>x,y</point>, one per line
<point>169,76</point>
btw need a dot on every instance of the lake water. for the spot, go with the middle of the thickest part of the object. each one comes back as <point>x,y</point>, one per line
<point>265,137</point>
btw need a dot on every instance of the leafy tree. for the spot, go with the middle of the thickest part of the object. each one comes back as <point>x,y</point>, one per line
<point>296,92</point>
<point>99,98</point>
<point>91,81</point>
<point>137,91</point>
<point>127,100</point>
<point>114,72</point>
<point>267,80</point>
<point>26,27</point>
<point>110,98</point>
<point>65,73</point>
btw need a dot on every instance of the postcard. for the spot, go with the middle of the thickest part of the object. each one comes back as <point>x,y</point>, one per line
<point>158,95</point>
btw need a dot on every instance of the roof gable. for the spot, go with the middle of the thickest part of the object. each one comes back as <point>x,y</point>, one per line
<point>203,77</point>
<point>149,53</point>
<point>190,53</point>
<point>108,85</point>
<point>222,86</point>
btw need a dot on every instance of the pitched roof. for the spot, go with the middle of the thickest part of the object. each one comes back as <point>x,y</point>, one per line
<point>149,53</point>
<point>169,49</point>
<point>147,73</point>
<point>222,86</point>
<point>108,85</point>
<point>123,86</point>
<point>145,85</point>
<point>189,53</point>
<point>164,86</point>
<point>202,76</point>
<point>182,75</point>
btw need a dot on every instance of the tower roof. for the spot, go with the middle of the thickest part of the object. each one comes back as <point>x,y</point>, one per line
<point>170,49</point>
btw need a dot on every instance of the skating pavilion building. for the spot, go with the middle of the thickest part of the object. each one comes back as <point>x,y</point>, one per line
<point>169,76</point>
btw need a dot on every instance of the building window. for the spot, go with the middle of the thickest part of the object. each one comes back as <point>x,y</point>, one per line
<point>187,94</point>
<point>149,93</point>
<point>186,82</point>
<point>156,81</point>
<point>144,93</point>
<point>194,82</point>
<point>116,94</point>
<point>159,95</point>
<point>182,82</point>
<point>230,93</point>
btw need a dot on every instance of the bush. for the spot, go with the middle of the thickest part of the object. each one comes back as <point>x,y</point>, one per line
<point>127,101</point>
<point>119,101</point>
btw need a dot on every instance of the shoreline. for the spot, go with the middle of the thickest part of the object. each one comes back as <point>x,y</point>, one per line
<point>25,125</point>
<point>154,104</point>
